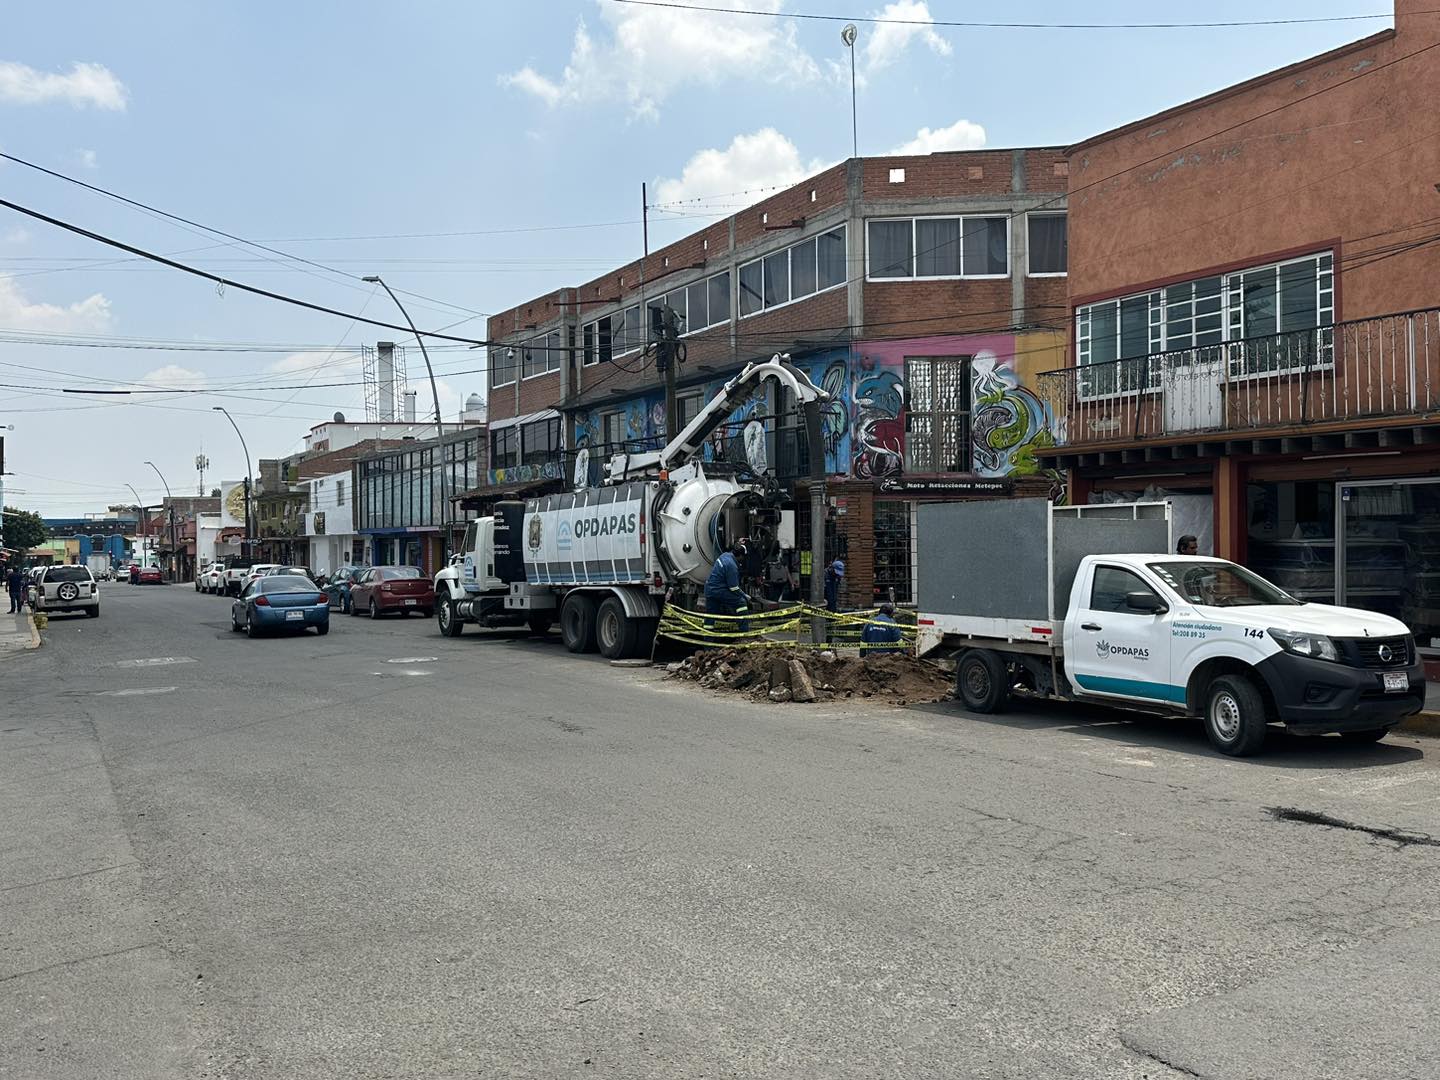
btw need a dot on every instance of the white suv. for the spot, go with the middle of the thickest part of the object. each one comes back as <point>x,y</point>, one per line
<point>67,588</point>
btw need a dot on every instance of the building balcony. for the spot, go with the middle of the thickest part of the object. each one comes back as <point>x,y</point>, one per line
<point>1327,383</point>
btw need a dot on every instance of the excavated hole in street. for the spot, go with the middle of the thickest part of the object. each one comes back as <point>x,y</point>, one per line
<point>1311,817</point>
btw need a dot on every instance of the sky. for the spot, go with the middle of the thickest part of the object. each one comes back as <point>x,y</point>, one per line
<point>475,155</point>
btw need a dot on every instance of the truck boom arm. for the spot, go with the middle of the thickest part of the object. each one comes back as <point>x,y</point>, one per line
<point>686,445</point>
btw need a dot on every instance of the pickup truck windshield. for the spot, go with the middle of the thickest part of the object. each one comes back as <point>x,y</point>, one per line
<point>1220,584</point>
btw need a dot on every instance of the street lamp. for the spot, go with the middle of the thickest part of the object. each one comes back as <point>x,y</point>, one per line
<point>158,473</point>
<point>249,482</point>
<point>376,279</point>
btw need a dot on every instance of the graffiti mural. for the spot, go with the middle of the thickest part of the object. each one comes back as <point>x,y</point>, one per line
<point>879,430</point>
<point>1009,423</point>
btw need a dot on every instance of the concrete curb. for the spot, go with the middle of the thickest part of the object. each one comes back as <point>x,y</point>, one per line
<point>1422,723</point>
<point>34,631</point>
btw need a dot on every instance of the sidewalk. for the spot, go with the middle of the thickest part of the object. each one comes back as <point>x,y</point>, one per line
<point>17,633</point>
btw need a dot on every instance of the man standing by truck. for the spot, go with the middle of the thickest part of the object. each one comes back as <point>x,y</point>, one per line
<point>722,588</point>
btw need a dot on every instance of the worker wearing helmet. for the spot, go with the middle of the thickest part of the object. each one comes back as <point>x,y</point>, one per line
<point>722,588</point>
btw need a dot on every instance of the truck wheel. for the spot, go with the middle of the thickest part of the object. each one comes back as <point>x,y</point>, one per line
<point>1234,716</point>
<point>540,623</point>
<point>982,682</point>
<point>1368,736</point>
<point>615,632</point>
<point>451,625</point>
<point>577,622</point>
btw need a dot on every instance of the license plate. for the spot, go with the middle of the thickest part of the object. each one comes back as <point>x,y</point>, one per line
<point>294,616</point>
<point>409,603</point>
<point>1396,682</point>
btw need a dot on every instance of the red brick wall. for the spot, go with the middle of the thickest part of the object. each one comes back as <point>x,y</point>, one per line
<point>1345,164</point>
<point>790,205</point>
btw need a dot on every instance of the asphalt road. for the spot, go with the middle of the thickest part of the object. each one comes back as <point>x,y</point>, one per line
<point>386,854</point>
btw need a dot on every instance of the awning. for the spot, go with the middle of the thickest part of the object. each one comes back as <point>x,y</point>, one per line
<point>528,418</point>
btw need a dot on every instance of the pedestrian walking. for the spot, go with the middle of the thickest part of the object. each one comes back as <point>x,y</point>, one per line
<point>15,581</point>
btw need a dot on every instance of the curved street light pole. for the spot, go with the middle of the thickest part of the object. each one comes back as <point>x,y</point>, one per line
<point>376,279</point>
<point>139,512</point>
<point>249,481</point>
<point>174,562</point>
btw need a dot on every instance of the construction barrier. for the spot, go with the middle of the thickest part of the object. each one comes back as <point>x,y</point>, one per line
<point>787,627</point>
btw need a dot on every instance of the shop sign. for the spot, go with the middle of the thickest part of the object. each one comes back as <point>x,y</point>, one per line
<point>946,485</point>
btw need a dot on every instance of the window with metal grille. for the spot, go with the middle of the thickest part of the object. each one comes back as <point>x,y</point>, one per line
<point>937,414</point>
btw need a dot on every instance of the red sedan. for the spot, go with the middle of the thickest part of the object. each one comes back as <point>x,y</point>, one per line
<point>392,588</point>
<point>149,575</point>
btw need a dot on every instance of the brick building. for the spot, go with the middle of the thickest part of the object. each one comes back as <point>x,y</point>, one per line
<point>1255,285</point>
<point>922,292</point>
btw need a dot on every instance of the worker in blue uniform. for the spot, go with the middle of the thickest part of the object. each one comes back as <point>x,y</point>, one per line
<point>881,634</point>
<point>723,595</point>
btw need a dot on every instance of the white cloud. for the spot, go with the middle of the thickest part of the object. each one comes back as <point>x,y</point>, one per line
<point>884,43</point>
<point>18,312</point>
<point>174,377</point>
<point>87,159</point>
<point>645,54</point>
<point>84,84</point>
<point>961,135</point>
<point>762,159</point>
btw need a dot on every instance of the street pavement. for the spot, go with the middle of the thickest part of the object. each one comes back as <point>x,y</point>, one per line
<point>384,853</point>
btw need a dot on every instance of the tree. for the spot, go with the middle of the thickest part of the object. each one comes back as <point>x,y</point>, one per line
<point>23,530</point>
<point>214,493</point>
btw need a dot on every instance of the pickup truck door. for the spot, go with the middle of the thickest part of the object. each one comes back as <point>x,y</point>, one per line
<point>1115,649</point>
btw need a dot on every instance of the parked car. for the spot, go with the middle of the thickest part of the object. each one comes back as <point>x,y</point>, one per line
<point>66,588</point>
<point>149,575</point>
<point>337,588</point>
<point>278,602</point>
<point>382,589</point>
<point>300,571</point>
<point>213,580</point>
<point>202,576</point>
<point>232,579</point>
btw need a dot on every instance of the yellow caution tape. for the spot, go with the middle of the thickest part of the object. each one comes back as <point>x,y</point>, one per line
<point>759,629</point>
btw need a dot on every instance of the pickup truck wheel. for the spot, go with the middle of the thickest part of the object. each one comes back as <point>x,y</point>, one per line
<point>1234,716</point>
<point>451,625</point>
<point>982,681</point>
<point>577,622</point>
<point>1368,736</point>
<point>615,632</point>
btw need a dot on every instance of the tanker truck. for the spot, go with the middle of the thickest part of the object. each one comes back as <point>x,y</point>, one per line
<point>602,560</point>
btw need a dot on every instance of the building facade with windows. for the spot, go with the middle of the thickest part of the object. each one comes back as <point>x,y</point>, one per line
<point>397,505</point>
<point>920,291</point>
<point>1256,322</point>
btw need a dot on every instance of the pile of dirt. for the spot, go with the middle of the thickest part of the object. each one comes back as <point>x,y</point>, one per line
<point>806,675</point>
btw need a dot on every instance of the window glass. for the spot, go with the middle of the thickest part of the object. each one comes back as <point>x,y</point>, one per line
<point>539,439</point>
<point>719,294</point>
<point>1135,326</point>
<point>1110,587</point>
<point>587,345</point>
<point>634,334</point>
<point>339,492</point>
<point>676,299</point>
<point>1048,243</point>
<point>502,448</point>
<point>985,246</point>
<point>398,573</point>
<point>67,573</point>
<point>502,367</point>
<point>802,269</point>
<point>1103,338</point>
<point>891,249</point>
<point>1259,302</point>
<point>777,278</point>
<point>1298,297</point>
<point>612,427</point>
<point>696,308</point>
<point>689,407</point>
<point>751,288</point>
<point>604,340</point>
<point>937,247</point>
<point>830,258</point>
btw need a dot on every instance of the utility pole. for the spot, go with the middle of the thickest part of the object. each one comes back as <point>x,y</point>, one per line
<point>173,555</point>
<point>815,443</point>
<point>666,332</point>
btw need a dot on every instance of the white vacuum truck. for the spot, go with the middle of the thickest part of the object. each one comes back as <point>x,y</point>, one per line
<point>603,559</point>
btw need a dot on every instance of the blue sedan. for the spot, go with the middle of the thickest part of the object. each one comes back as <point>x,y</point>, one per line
<point>280,601</point>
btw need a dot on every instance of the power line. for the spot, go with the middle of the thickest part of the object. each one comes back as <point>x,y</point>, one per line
<point>876,20</point>
<point>227,282</point>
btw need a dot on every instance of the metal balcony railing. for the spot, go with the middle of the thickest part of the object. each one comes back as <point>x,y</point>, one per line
<point>1386,367</point>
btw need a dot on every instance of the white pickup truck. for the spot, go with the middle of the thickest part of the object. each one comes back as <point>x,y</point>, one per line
<point>1143,629</point>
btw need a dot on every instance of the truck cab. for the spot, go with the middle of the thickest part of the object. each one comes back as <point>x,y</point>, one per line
<point>1205,636</point>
